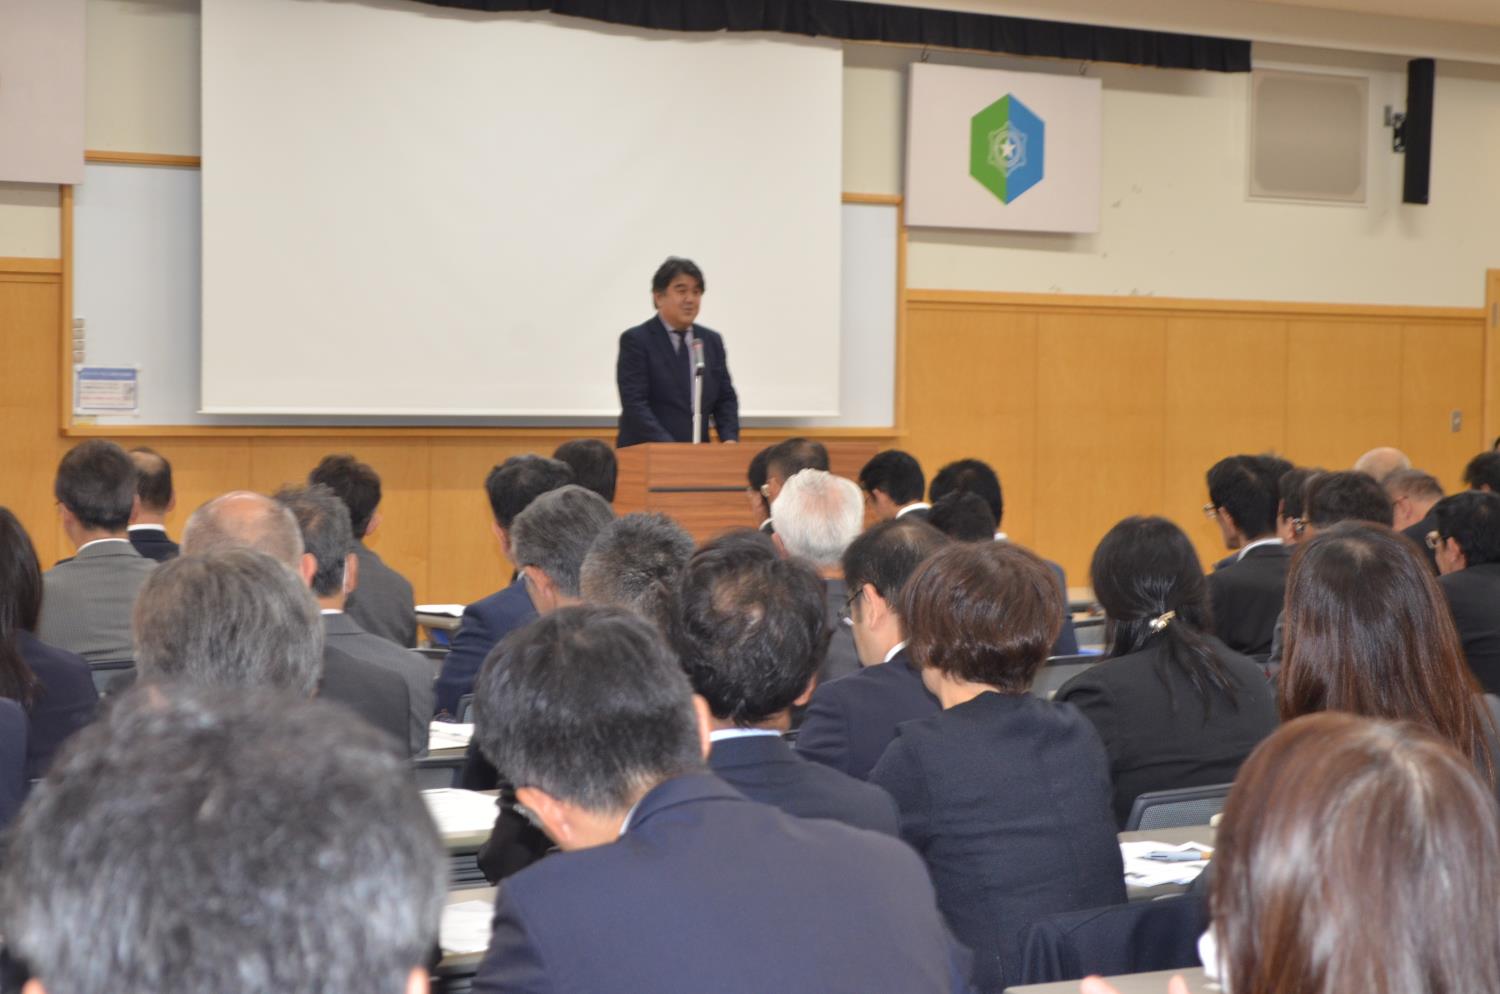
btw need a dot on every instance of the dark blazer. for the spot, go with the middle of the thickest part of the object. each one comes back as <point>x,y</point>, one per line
<point>373,693</point>
<point>66,701</point>
<point>1067,638</point>
<point>340,631</point>
<point>1418,534</point>
<point>1247,597</point>
<point>850,721</point>
<point>1006,797</point>
<point>708,891</point>
<point>383,604</point>
<point>153,543</point>
<point>842,658</point>
<point>764,768</point>
<point>13,782</point>
<point>484,624</point>
<point>1474,598</point>
<point>1157,731</point>
<point>656,397</point>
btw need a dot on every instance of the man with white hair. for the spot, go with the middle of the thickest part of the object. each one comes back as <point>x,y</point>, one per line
<point>1382,462</point>
<point>816,515</point>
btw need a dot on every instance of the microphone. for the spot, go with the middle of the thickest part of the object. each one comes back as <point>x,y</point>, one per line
<point>697,357</point>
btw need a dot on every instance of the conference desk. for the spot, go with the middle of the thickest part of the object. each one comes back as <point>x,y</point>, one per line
<point>1130,983</point>
<point>1203,834</point>
<point>455,969</point>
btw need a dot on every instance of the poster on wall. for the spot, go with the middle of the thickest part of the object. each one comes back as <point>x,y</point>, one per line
<point>1006,151</point>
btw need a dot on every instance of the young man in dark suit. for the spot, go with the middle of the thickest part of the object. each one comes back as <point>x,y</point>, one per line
<point>153,488</point>
<point>1247,592</point>
<point>669,880</point>
<point>655,368</point>
<point>894,483</point>
<point>1468,557</point>
<point>749,629</point>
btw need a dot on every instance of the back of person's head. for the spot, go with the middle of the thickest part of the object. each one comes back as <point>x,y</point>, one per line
<point>555,531</point>
<point>755,479</point>
<point>231,617</point>
<point>355,483</point>
<point>787,458</point>
<point>896,474</point>
<point>817,515</point>
<point>245,520</point>
<point>224,841</point>
<point>1147,578</point>
<point>983,613</point>
<point>1483,472</point>
<point>593,463</point>
<point>1472,519</point>
<point>327,535</point>
<point>1368,631</point>
<point>1345,496</point>
<point>970,476</point>
<point>1271,466</point>
<point>1414,484</point>
<point>888,554</point>
<point>153,482</point>
<point>635,563</point>
<point>1356,855</point>
<point>519,480</point>
<point>1292,488</point>
<point>589,705</point>
<point>749,628</point>
<point>96,483</point>
<point>1246,490</point>
<point>963,517</point>
<point>1381,462</point>
<point>20,606</point>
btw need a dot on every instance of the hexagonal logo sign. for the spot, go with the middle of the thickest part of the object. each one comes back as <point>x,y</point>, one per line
<point>1007,148</point>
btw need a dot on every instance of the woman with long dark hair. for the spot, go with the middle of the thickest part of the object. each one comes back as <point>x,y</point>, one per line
<point>1174,705</point>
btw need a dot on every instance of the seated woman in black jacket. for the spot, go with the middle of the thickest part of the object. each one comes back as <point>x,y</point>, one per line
<point>1175,706</point>
<point>1005,795</point>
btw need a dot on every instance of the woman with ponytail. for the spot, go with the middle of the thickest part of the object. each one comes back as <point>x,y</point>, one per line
<point>1174,705</point>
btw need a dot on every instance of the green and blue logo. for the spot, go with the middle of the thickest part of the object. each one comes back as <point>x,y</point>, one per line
<point>1007,147</point>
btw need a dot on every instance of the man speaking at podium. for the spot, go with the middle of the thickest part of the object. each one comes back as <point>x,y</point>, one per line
<point>660,360</point>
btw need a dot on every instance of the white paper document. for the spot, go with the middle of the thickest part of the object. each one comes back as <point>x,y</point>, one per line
<point>446,610</point>
<point>1141,870</point>
<point>466,927</point>
<point>460,812</point>
<point>449,735</point>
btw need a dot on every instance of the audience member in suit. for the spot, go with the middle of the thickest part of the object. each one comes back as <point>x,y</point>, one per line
<point>328,539</point>
<point>756,490</point>
<point>1381,462</point>
<point>1005,795</point>
<point>893,483</point>
<point>786,459</point>
<point>1368,632</point>
<point>1467,546</point>
<point>13,780</point>
<point>224,840</point>
<point>148,525</point>
<point>850,721</point>
<point>511,487</point>
<point>1295,909</point>
<point>1247,593</point>
<point>1289,511</point>
<point>1174,705</point>
<point>1483,472</point>
<point>817,515</point>
<point>243,520</point>
<point>86,601</point>
<point>636,562</point>
<point>669,880</point>
<point>975,476</point>
<point>654,370</point>
<point>593,463</point>
<point>1413,494</point>
<point>749,629</point>
<point>55,687</point>
<point>384,604</point>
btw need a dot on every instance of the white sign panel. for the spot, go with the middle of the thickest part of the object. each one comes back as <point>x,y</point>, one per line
<point>1002,150</point>
<point>106,389</point>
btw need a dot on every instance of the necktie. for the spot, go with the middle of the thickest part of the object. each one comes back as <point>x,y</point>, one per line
<point>685,359</point>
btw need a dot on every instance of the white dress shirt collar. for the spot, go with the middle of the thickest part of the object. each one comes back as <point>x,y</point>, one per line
<point>894,649</point>
<point>100,541</point>
<point>1273,540</point>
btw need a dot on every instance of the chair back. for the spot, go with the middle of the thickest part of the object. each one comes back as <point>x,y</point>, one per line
<point>466,709</point>
<point>1177,808</point>
<point>1140,937</point>
<point>113,676</point>
<point>433,773</point>
<point>1058,670</point>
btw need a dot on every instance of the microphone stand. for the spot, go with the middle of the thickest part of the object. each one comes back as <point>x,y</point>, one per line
<point>697,391</point>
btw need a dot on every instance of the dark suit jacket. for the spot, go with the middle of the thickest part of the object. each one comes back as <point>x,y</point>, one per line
<point>842,658</point>
<point>1006,797</point>
<point>383,604</point>
<point>13,782</point>
<point>373,693</point>
<point>850,721</point>
<point>1418,534</point>
<point>1247,598</point>
<point>66,701</point>
<point>153,543</point>
<point>1067,638</point>
<point>484,624</point>
<point>340,631</point>
<point>656,398</point>
<point>1158,732</point>
<point>1474,598</point>
<point>764,768</point>
<point>708,891</point>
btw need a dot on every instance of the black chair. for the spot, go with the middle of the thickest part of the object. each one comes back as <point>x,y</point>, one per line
<point>1058,670</point>
<point>1185,806</point>
<point>113,676</point>
<point>433,773</point>
<point>466,709</point>
<point>1125,938</point>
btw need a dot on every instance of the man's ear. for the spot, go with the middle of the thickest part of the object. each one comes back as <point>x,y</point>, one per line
<point>135,509</point>
<point>374,523</point>
<point>807,692</point>
<point>780,545</point>
<point>171,505</point>
<point>351,573</point>
<point>543,591</point>
<point>705,724</point>
<point>501,535</point>
<point>307,568</point>
<point>552,815</point>
<point>418,981</point>
<point>1456,553</point>
<point>873,609</point>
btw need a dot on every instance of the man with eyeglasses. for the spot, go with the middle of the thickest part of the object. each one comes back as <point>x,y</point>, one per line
<point>1247,592</point>
<point>1465,540</point>
<point>1413,495</point>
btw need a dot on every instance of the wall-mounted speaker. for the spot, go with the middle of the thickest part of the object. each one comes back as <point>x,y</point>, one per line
<point>1416,130</point>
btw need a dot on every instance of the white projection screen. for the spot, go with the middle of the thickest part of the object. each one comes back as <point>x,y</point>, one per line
<point>409,210</point>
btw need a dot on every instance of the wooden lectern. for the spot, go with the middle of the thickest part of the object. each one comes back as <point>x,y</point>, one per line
<point>703,486</point>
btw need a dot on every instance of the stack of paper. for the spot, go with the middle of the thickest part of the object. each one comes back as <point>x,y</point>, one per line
<point>460,812</point>
<point>446,610</point>
<point>1151,864</point>
<point>449,735</point>
<point>466,927</point>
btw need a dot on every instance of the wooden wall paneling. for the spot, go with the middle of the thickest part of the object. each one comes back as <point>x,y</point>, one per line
<point>1491,427</point>
<point>1343,389</point>
<point>1226,388</point>
<point>1101,420</point>
<point>971,392</point>
<point>202,469</point>
<point>30,315</point>
<point>1442,368</point>
<point>467,563</point>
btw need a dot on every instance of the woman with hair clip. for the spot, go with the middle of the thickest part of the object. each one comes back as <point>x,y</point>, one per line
<point>1369,632</point>
<point>1354,855</point>
<point>56,688</point>
<point>1175,706</point>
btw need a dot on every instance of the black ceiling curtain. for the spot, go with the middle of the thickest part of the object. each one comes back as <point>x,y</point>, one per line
<point>854,21</point>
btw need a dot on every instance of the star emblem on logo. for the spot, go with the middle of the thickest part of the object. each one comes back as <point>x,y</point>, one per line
<point>1007,148</point>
